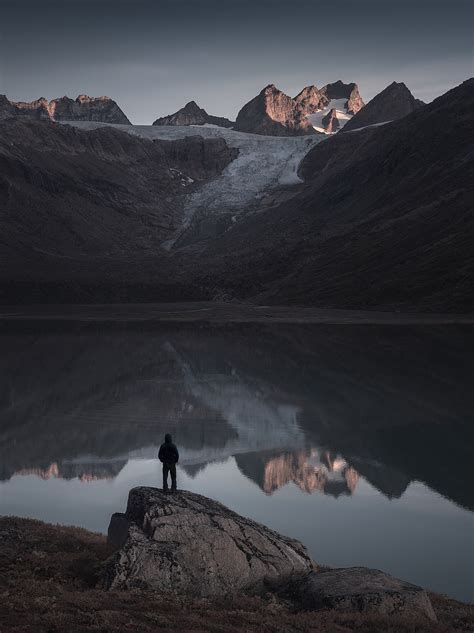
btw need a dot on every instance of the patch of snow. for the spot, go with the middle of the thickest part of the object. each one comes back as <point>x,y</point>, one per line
<point>185,180</point>
<point>343,117</point>
<point>364,127</point>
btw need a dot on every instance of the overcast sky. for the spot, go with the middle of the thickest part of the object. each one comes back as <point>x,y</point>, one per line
<point>153,56</point>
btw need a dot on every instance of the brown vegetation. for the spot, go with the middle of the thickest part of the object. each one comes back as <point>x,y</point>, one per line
<point>50,583</point>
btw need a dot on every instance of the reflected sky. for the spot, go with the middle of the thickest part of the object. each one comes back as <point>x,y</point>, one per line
<point>354,440</point>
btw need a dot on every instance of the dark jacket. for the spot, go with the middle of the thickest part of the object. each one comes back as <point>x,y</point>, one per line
<point>168,452</point>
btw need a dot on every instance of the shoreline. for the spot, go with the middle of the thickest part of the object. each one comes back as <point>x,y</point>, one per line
<point>210,312</point>
<point>51,582</point>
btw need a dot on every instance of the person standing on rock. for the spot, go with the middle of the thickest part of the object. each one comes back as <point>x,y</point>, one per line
<point>168,456</point>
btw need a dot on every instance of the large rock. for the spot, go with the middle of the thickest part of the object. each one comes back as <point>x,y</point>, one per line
<point>365,590</point>
<point>190,544</point>
<point>192,114</point>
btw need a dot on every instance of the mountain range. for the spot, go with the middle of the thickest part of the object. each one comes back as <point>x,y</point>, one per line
<point>379,216</point>
<point>314,110</point>
<point>83,108</point>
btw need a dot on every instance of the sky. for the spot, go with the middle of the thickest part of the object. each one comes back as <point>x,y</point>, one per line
<point>153,56</point>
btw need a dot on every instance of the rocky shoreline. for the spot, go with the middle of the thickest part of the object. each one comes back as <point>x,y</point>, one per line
<point>228,573</point>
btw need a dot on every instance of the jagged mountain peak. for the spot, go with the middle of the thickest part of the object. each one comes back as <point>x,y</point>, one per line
<point>83,98</point>
<point>83,108</point>
<point>192,114</point>
<point>275,113</point>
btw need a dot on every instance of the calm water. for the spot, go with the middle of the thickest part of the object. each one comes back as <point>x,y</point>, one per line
<point>357,440</point>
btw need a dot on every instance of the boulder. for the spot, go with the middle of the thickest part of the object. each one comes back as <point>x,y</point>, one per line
<point>364,590</point>
<point>189,544</point>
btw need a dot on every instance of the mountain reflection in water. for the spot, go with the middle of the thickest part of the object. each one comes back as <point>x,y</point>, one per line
<point>322,408</point>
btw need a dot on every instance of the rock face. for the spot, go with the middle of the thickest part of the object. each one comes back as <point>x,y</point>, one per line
<point>364,590</point>
<point>7,109</point>
<point>84,108</point>
<point>331,122</point>
<point>38,109</point>
<point>340,90</point>
<point>190,544</point>
<point>394,102</point>
<point>192,114</point>
<point>273,112</point>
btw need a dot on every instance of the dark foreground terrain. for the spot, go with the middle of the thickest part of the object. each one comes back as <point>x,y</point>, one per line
<point>50,583</point>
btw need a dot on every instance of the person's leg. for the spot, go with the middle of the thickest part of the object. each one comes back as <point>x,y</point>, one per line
<point>173,476</point>
<point>165,477</point>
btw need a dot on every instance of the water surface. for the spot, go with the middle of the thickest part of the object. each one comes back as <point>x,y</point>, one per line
<point>357,440</point>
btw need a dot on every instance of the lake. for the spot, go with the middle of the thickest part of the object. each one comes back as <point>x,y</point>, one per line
<point>354,439</point>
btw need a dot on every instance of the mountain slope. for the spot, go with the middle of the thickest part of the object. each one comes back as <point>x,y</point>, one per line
<point>394,102</point>
<point>192,114</point>
<point>66,193</point>
<point>384,220</point>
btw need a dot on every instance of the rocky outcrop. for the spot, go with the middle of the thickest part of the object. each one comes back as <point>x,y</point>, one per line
<point>38,109</point>
<point>83,108</point>
<point>364,590</point>
<point>331,122</point>
<point>273,112</point>
<point>394,102</point>
<point>7,109</point>
<point>190,544</point>
<point>192,114</point>
<point>340,90</point>
<point>86,108</point>
<point>199,158</point>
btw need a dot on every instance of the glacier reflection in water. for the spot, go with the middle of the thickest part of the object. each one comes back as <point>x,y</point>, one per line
<point>354,439</point>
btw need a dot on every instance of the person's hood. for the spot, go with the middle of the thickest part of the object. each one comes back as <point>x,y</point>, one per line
<point>168,439</point>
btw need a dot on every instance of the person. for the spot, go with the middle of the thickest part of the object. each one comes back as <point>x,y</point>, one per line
<point>168,456</point>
